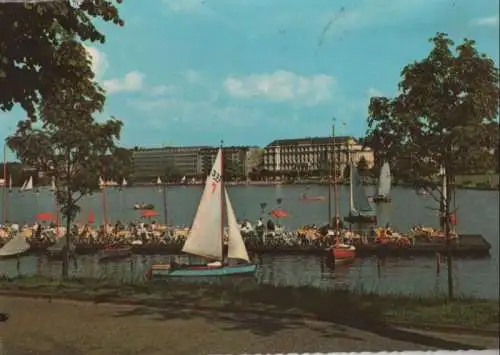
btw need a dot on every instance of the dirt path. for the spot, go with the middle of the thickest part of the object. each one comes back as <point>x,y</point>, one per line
<point>68,327</point>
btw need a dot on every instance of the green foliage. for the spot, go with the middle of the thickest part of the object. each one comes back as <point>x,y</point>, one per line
<point>69,144</point>
<point>35,57</point>
<point>445,114</point>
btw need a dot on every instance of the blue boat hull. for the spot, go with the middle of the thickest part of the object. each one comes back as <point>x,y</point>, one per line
<point>203,271</point>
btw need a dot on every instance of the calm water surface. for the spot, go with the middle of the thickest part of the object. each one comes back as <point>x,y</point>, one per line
<point>478,212</point>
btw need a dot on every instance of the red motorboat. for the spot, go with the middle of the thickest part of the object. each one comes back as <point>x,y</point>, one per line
<point>343,252</point>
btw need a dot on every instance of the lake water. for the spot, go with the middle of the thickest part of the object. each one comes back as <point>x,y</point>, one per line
<point>478,212</point>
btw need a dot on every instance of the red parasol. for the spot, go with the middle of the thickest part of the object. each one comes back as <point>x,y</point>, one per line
<point>278,213</point>
<point>45,216</point>
<point>149,213</point>
<point>91,219</point>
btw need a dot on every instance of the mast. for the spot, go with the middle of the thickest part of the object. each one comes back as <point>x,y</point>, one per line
<point>335,187</point>
<point>222,197</point>
<point>330,153</point>
<point>104,202</point>
<point>349,161</point>
<point>5,201</point>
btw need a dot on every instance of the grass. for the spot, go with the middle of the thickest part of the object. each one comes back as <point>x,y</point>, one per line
<point>341,306</point>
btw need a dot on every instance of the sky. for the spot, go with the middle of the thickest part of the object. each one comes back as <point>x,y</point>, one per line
<point>195,72</point>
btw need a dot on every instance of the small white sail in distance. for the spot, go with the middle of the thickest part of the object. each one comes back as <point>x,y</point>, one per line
<point>24,185</point>
<point>384,181</point>
<point>158,181</point>
<point>53,184</point>
<point>10,182</point>
<point>124,182</point>
<point>205,237</point>
<point>29,184</point>
<point>236,246</point>
<point>101,182</point>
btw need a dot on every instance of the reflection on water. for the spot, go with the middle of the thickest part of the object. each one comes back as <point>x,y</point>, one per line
<point>392,275</point>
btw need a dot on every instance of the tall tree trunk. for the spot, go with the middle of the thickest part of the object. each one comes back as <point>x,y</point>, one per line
<point>447,230</point>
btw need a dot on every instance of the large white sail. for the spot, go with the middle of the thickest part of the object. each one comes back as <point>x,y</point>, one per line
<point>384,181</point>
<point>360,203</point>
<point>205,237</point>
<point>236,246</point>
<point>29,184</point>
<point>15,246</point>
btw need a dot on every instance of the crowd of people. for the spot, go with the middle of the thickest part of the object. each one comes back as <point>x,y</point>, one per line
<point>151,234</point>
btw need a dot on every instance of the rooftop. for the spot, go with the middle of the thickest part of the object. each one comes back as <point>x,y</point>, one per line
<point>311,140</point>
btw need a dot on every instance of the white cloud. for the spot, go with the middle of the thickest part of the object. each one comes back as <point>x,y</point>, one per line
<point>282,86</point>
<point>161,90</point>
<point>492,21</point>
<point>132,81</point>
<point>204,113</point>
<point>99,61</point>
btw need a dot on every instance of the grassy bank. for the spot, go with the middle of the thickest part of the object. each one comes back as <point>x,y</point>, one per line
<point>341,306</point>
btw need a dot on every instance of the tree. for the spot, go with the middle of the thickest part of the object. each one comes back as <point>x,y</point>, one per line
<point>70,145</point>
<point>30,41</point>
<point>440,119</point>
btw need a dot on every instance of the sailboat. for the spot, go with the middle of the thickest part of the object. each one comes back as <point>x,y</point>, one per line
<point>53,184</point>
<point>23,186</point>
<point>384,185</point>
<point>158,181</point>
<point>360,210</point>
<point>206,237</point>
<point>124,182</point>
<point>29,184</point>
<point>183,180</point>
<point>14,247</point>
<point>102,184</point>
<point>10,183</point>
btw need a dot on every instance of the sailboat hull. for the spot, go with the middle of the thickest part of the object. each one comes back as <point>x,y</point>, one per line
<point>202,270</point>
<point>381,199</point>
<point>360,219</point>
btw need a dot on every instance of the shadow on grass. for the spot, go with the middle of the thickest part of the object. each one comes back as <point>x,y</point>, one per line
<point>265,309</point>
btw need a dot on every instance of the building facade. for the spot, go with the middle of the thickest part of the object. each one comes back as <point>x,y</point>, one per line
<point>314,154</point>
<point>150,163</point>
<point>176,162</point>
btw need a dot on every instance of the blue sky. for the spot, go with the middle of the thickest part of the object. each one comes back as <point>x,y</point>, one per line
<point>189,72</point>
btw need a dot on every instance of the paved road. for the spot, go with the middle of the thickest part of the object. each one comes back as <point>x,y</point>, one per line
<point>66,327</point>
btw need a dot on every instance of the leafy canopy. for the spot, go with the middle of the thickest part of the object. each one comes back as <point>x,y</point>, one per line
<point>32,60</point>
<point>446,113</point>
<point>68,143</point>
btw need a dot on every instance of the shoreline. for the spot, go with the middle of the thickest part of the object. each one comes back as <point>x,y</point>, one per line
<point>468,315</point>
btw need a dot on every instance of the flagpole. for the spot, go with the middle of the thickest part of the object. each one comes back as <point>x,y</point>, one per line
<point>5,201</point>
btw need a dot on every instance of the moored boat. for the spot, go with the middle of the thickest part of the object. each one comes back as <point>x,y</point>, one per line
<point>15,247</point>
<point>114,253</point>
<point>343,252</point>
<point>144,206</point>
<point>206,237</point>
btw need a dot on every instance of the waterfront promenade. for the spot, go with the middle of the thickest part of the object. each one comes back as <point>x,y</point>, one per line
<point>69,327</point>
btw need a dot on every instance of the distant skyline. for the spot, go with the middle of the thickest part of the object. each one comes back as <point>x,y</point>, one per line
<point>191,72</point>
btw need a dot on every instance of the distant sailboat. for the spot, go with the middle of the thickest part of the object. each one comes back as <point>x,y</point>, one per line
<point>183,180</point>
<point>23,186</point>
<point>207,234</point>
<point>124,182</point>
<point>102,184</point>
<point>10,183</point>
<point>158,181</point>
<point>360,210</point>
<point>53,184</point>
<point>384,185</point>
<point>29,184</point>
